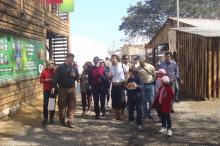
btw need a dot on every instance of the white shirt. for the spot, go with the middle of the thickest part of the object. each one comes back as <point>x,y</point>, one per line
<point>118,72</point>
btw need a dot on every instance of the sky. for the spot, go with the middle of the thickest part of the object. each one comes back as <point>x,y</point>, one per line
<point>94,27</point>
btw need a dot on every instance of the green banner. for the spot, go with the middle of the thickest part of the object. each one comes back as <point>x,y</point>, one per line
<point>20,58</point>
<point>67,6</point>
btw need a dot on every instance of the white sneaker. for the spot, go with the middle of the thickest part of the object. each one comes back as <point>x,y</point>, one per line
<point>131,123</point>
<point>169,132</point>
<point>163,130</point>
<point>140,127</point>
<point>108,105</point>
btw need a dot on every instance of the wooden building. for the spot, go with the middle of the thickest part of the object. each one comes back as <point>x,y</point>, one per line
<point>198,54</point>
<point>197,43</point>
<point>26,23</point>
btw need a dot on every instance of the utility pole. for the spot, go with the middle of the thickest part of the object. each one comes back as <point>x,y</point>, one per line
<point>177,9</point>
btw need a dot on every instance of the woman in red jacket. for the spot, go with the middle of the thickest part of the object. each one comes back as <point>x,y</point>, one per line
<point>165,100</point>
<point>46,79</point>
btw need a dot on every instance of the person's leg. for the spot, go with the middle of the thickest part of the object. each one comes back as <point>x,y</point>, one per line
<point>168,121</point>
<point>71,106</point>
<point>150,98</point>
<point>102,100</point>
<point>45,106</point>
<point>131,104</point>
<point>83,99</point>
<point>144,101</point>
<point>62,101</point>
<point>163,120</point>
<point>52,113</point>
<point>89,98</point>
<point>138,103</point>
<point>95,94</point>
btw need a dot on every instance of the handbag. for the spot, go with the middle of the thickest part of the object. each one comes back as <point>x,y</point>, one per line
<point>51,104</point>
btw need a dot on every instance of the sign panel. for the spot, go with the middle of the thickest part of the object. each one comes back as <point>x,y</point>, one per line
<point>20,58</point>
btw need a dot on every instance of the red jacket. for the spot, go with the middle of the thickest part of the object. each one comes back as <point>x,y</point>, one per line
<point>167,98</point>
<point>96,73</point>
<point>47,74</point>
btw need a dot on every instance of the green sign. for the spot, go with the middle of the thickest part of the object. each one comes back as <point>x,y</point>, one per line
<point>67,6</point>
<point>20,58</point>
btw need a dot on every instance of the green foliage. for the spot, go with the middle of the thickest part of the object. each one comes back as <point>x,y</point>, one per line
<point>146,17</point>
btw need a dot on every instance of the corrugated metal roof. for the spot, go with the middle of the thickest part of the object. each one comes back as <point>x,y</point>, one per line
<point>211,32</point>
<point>203,27</point>
<point>202,23</point>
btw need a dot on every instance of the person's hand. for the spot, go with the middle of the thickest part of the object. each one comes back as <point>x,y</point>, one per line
<point>52,90</point>
<point>181,81</point>
<point>48,80</point>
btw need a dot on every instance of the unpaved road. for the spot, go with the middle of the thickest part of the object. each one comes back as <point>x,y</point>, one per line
<point>194,123</point>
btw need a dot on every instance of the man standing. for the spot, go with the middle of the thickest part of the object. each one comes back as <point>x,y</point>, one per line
<point>117,73</point>
<point>65,77</point>
<point>97,78</point>
<point>172,70</point>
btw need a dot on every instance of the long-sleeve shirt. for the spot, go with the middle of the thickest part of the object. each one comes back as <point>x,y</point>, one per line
<point>84,81</point>
<point>132,92</point>
<point>96,75</point>
<point>167,96</point>
<point>65,76</point>
<point>47,74</point>
<point>172,69</point>
<point>118,72</point>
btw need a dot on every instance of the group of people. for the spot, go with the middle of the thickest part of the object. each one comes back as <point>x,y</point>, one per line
<point>132,87</point>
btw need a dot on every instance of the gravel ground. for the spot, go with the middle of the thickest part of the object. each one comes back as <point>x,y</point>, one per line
<point>194,124</point>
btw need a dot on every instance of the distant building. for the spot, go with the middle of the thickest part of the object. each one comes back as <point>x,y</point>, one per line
<point>133,50</point>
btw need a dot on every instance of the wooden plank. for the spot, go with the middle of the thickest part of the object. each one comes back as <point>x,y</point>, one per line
<point>218,67</point>
<point>210,69</point>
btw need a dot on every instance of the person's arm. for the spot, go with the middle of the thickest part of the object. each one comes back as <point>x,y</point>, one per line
<point>77,75</point>
<point>55,80</point>
<point>42,77</point>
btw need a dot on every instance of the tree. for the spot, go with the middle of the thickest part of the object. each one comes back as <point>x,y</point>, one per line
<point>146,17</point>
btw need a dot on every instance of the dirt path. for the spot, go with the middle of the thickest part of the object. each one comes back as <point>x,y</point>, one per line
<point>194,123</point>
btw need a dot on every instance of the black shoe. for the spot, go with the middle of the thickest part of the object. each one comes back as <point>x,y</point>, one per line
<point>103,114</point>
<point>149,117</point>
<point>177,100</point>
<point>51,121</point>
<point>44,122</point>
<point>62,123</point>
<point>97,117</point>
<point>70,124</point>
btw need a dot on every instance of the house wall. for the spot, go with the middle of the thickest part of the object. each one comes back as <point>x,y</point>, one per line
<point>198,60</point>
<point>29,19</point>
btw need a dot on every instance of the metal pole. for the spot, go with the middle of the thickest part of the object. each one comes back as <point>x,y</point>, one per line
<point>177,9</point>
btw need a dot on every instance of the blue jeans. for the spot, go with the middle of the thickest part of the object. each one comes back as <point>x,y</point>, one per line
<point>147,98</point>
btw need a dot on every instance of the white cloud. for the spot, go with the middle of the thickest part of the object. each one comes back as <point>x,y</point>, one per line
<point>85,49</point>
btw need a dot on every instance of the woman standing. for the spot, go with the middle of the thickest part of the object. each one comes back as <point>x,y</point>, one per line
<point>85,89</point>
<point>46,78</point>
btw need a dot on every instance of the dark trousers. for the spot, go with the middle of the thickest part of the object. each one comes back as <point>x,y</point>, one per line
<point>86,99</point>
<point>108,95</point>
<point>135,102</point>
<point>99,94</point>
<point>166,120</point>
<point>45,105</point>
<point>118,97</point>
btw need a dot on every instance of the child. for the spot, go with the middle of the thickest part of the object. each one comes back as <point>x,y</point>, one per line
<point>165,96</point>
<point>160,74</point>
<point>134,98</point>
